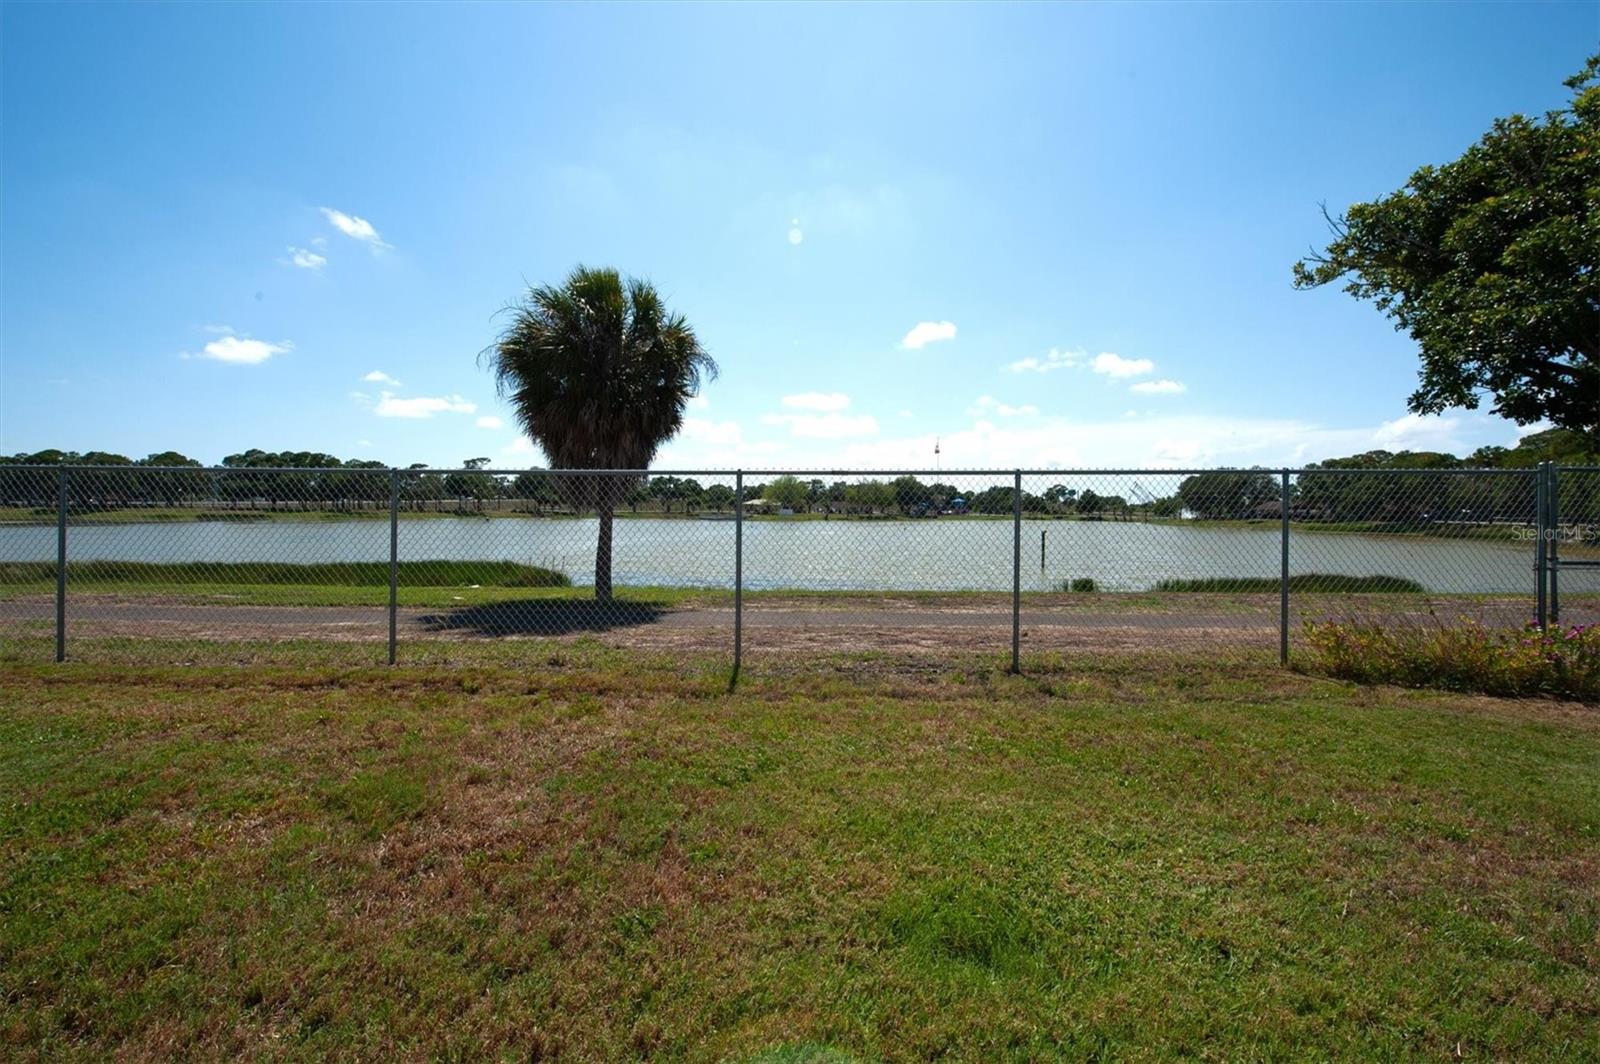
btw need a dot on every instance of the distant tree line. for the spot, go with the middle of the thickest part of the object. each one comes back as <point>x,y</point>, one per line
<point>1381,493</point>
<point>324,481</point>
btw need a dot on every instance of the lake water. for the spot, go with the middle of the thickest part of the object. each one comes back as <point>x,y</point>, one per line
<point>816,555</point>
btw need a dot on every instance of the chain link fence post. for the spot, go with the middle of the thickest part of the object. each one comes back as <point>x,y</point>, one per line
<point>1553,501</point>
<point>738,572</point>
<point>1016,572</point>
<point>1541,544</point>
<point>394,560</point>
<point>61,564</point>
<point>1283,572</point>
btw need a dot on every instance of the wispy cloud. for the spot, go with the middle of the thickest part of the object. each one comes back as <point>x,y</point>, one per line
<point>1420,432</point>
<point>927,332</point>
<point>820,401</point>
<point>988,404</point>
<point>823,419</point>
<point>305,259</point>
<point>240,350</point>
<point>712,433</point>
<point>519,446</point>
<point>1160,387</point>
<point>699,402</point>
<point>422,406</point>
<point>489,421</point>
<point>1118,368</point>
<point>1148,439</point>
<point>355,227</point>
<point>377,376</point>
<point>1054,359</point>
<point>825,426</point>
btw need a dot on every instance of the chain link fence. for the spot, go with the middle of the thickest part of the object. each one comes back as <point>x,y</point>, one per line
<point>375,564</point>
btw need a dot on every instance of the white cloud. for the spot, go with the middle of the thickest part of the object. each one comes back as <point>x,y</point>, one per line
<point>988,404</point>
<point>824,420</point>
<point>519,446</point>
<point>1160,387</point>
<point>905,413</point>
<point>377,376</point>
<point>1147,440</point>
<point>306,259</point>
<point>699,402</point>
<point>218,330</point>
<point>1416,432</point>
<point>1117,367</point>
<point>421,406</point>
<point>826,402</point>
<point>241,350</point>
<point>354,227</point>
<point>796,234</point>
<point>825,426</point>
<point>712,433</point>
<point>1054,359</point>
<point>489,421</point>
<point>926,332</point>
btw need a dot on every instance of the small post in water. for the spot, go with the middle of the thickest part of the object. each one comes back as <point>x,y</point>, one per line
<point>61,565</point>
<point>1016,572</point>
<point>1283,572</point>
<point>394,559</point>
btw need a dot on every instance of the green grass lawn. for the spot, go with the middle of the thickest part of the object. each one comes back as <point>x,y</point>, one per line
<point>567,849</point>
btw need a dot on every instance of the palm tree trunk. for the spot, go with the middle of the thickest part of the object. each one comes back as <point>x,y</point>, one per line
<point>602,558</point>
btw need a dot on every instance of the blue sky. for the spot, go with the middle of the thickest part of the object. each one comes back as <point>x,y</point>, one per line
<point>1046,235</point>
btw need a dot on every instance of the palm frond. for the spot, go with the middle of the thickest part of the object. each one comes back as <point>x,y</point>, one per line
<point>598,370</point>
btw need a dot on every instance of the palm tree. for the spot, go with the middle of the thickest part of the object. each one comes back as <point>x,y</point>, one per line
<point>598,371</point>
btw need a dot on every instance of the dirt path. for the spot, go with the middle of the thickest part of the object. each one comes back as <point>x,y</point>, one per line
<point>783,625</point>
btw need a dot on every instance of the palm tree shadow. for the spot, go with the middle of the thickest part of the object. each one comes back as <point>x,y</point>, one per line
<point>541,617</point>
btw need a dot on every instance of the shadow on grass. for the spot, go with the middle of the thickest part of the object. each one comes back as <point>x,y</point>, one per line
<point>541,617</point>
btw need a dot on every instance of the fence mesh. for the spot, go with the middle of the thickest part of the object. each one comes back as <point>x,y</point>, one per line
<point>293,564</point>
<point>1575,536</point>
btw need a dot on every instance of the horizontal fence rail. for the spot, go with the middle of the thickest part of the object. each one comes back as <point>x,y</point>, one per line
<point>389,565</point>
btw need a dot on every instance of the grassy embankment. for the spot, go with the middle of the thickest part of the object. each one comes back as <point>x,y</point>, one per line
<point>443,583</point>
<point>422,583</point>
<point>447,583</point>
<point>1301,582</point>
<point>610,856</point>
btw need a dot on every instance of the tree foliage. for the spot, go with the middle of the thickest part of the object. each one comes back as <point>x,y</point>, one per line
<point>1224,494</point>
<point>1492,264</point>
<point>787,491</point>
<point>599,373</point>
